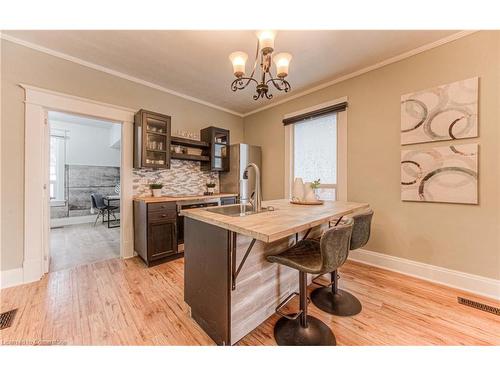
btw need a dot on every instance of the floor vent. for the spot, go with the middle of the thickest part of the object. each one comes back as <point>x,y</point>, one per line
<point>7,318</point>
<point>479,305</point>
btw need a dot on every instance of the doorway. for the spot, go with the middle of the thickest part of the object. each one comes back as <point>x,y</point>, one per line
<point>83,190</point>
<point>38,101</point>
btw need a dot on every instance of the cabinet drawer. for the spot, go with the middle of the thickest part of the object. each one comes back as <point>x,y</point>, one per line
<point>162,216</point>
<point>162,206</point>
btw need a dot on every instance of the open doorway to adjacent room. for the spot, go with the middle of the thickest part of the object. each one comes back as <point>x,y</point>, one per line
<point>84,190</point>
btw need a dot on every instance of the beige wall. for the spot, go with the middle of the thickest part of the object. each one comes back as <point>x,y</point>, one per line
<point>459,237</point>
<point>20,64</point>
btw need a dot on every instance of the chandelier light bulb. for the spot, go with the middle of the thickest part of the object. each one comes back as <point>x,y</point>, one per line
<point>238,59</point>
<point>282,61</point>
<point>263,80</point>
<point>266,40</point>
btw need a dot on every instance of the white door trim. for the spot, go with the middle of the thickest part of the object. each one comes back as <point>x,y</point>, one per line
<point>37,102</point>
<point>341,189</point>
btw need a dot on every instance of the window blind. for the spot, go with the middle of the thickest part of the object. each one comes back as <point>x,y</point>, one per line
<point>316,113</point>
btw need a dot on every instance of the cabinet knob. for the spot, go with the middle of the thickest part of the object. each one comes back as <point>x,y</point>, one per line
<point>163,215</point>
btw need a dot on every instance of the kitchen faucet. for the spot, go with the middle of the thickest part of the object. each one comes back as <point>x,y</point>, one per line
<point>257,201</point>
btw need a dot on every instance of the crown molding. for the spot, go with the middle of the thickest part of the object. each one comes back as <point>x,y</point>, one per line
<point>405,55</point>
<point>378,65</point>
<point>113,72</point>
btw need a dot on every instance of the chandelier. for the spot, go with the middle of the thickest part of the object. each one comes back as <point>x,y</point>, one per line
<point>265,48</point>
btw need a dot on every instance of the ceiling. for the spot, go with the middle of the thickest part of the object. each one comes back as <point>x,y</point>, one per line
<point>195,63</point>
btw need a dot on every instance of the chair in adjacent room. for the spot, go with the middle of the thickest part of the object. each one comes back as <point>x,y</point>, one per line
<point>314,257</point>
<point>330,298</point>
<point>101,207</point>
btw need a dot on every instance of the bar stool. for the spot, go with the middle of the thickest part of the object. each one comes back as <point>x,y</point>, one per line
<point>331,298</point>
<point>315,257</point>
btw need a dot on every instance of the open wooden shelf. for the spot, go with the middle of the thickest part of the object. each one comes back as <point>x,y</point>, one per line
<point>189,142</point>
<point>173,155</point>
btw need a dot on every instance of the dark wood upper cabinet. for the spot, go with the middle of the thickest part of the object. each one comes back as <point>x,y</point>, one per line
<point>219,149</point>
<point>152,137</point>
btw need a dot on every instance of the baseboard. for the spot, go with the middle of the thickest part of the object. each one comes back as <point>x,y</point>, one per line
<point>11,277</point>
<point>73,220</point>
<point>32,270</point>
<point>480,285</point>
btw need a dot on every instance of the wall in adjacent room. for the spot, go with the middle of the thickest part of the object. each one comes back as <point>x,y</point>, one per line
<point>20,64</point>
<point>80,182</point>
<point>89,144</point>
<point>458,237</point>
<point>92,164</point>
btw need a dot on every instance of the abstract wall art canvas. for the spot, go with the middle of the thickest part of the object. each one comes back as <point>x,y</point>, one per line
<point>441,113</point>
<point>442,174</point>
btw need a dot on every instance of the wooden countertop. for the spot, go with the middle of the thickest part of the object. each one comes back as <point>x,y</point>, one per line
<point>167,198</point>
<point>287,218</point>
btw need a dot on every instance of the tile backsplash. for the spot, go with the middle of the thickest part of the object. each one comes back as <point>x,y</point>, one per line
<point>183,178</point>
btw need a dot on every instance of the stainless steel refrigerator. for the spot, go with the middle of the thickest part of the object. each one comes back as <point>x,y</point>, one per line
<point>239,156</point>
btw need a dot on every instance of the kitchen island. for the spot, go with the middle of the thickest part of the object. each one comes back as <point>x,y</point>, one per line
<point>228,284</point>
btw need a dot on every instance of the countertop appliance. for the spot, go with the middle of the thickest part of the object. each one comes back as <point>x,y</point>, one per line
<point>240,155</point>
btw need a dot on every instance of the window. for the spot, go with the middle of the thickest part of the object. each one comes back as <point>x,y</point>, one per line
<point>315,153</point>
<point>56,167</point>
<point>316,148</point>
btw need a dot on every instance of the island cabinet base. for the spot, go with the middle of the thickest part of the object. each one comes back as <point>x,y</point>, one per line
<point>212,257</point>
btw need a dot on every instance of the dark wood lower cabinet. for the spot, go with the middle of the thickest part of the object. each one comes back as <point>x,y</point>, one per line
<point>162,239</point>
<point>207,275</point>
<point>155,232</point>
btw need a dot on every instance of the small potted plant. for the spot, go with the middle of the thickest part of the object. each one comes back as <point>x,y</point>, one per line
<point>156,188</point>
<point>315,186</point>
<point>210,187</point>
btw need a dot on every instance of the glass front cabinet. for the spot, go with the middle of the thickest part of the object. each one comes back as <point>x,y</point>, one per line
<point>219,149</point>
<point>152,140</point>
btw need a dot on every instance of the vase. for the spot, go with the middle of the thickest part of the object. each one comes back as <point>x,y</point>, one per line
<point>298,190</point>
<point>156,192</point>
<point>309,193</point>
<point>316,193</point>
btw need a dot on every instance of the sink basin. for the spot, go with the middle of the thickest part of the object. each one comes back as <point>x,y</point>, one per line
<point>237,210</point>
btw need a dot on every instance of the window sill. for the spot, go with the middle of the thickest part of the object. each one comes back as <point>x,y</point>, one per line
<point>57,203</point>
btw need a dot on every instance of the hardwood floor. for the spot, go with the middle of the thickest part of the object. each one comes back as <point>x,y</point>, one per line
<point>74,245</point>
<point>121,302</point>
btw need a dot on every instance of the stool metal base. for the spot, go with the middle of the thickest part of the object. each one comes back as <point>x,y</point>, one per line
<point>341,303</point>
<point>291,333</point>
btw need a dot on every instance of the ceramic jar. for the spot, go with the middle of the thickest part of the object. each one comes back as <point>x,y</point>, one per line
<point>298,190</point>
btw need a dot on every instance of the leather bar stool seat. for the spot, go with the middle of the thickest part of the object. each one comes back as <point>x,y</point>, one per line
<point>314,257</point>
<point>304,256</point>
<point>331,298</point>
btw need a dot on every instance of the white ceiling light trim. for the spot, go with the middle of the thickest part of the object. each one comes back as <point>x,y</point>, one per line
<point>113,72</point>
<point>380,64</point>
